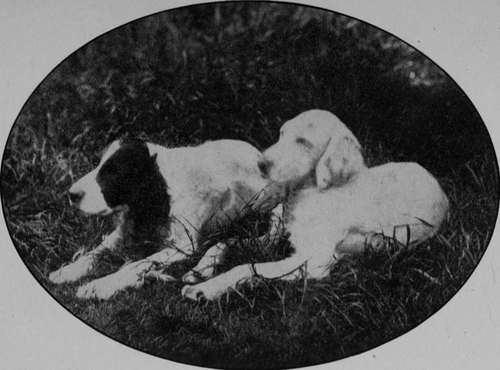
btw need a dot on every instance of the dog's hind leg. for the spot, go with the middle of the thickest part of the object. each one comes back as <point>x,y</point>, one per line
<point>357,242</point>
<point>84,262</point>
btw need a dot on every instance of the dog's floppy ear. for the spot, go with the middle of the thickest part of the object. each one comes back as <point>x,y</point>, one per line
<point>341,159</point>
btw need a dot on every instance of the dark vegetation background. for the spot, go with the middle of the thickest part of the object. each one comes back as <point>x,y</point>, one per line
<point>239,70</point>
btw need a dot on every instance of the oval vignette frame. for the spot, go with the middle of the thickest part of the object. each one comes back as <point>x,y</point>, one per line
<point>214,3</point>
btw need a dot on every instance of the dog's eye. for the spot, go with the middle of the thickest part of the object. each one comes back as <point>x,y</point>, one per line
<point>302,141</point>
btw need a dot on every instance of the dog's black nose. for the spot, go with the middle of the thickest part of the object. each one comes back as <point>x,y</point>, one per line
<point>75,197</point>
<point>263,166</point>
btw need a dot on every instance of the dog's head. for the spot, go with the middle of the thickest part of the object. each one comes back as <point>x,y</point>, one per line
<point>121,178</point>
<point>313,145</point>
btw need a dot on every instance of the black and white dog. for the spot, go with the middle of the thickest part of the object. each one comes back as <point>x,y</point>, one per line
<point>171,197</point>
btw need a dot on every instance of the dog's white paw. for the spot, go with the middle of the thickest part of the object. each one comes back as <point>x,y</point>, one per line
<point>73,271</point>
<point>206,267</point>
<point>191,277</point>
<point>131,275</point>
<point>202,291</point>
<point>195,276</point>
<point>159,276</point>
<point>96,289</point>
<point>192,292</point>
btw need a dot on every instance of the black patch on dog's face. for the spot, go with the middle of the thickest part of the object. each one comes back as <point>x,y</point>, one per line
<point>131,177</point>
<point>124,172</point>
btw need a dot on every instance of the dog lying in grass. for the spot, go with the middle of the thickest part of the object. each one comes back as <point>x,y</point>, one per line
<point>338,205</point>
<point>170,197</point>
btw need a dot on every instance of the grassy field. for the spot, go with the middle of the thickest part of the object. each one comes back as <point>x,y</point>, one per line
<point>238,71</point>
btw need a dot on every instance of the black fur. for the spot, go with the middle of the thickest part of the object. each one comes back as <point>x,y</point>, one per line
<point>131,177</point>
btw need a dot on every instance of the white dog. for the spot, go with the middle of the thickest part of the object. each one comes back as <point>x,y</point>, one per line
<point>340,205</point>
<point>171,197</point>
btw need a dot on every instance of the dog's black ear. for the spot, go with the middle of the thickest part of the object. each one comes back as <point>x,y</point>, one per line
<point>125,171</point>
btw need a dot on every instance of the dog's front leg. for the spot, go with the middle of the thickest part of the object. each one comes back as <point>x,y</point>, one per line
<point>184,236</point>
<point>132,275</point>
<point>287,269</point>
<point>83,263</point>
<point>276,228</point>
<point>205,268</point>
<point>215,255</point>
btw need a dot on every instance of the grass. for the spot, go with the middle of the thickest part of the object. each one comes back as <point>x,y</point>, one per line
<point>239,70</point>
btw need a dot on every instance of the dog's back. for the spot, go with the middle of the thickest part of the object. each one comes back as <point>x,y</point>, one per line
<point>404,198</point>
<point>397,199</point>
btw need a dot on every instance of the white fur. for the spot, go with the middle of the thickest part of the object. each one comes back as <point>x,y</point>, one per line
<point>93,201</point>
<point>303,141</point>
<point>209,185</point>
<point>211,182</point>
<point>339,205</point>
